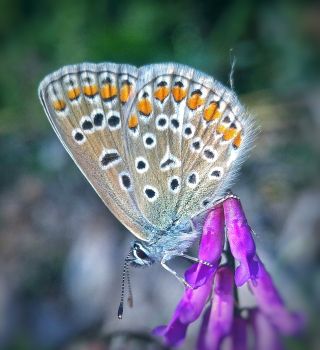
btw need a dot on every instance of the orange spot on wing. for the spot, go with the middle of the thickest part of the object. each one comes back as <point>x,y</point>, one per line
<point>59,105</point>
<point>237,141</point>
<point>133,121</point>
<point>230,134</point>
<point>125,92</point>
<point>211,112</point>
<point>178,93</point>
<point>90,90</point>
<point>144,106</point>
<point>74,93</point>
<point>161,93</point>
<point>108,92</point>
<point>195,101</point>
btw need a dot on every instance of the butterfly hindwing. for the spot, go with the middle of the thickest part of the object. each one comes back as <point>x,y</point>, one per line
<point>185,135</point>
<point>85,105</point>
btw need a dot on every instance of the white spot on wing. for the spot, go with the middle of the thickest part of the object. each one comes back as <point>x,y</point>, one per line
<point>216,173</point>
<point>196,145</point>
<point>209,154</point>
<point>162,122</point>
<point>151,193</point>
<point>147,138</point>
<point>125,181</point>
<point>109,158</point>
<point>142,165</point>
<point>98,118</point>
<point>114,120</point>
<point>86,121</point>
<point>192,179</point>
<point>75,135</point>
<point>174,184</point>
<point>188,131</point>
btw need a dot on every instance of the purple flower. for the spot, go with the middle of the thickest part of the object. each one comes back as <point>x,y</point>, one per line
<point>266,336</point>
<point>239,333</point>
<point>241,241</point>
<point>210,250</point>
<point>272,305</point>
<point>194,300</point>
<point>217,321</point>
<point>223,320</point>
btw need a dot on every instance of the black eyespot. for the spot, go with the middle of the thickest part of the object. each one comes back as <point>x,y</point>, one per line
<point>178,83</point>
<point>232,126</point>
<point>141,164</point>
<point>216,173</point>
<point>192,179</point>
<point>175,123</point>
<point>162,83</point>
<point>78,136</point>
<point>196,145</point>
<point>107,80</point>
<point>226,119</point>
<point>109,158</point>
<point>126,181</point>
<point>87,125</point>
<point>196,92</point>
<point>208,154</point>
<point>98,119</point>
<point>187,131</point>
<point>145,95</point>
<point>150,193</point>
<point>162,122</point>
<point>149,141</point>
<point>113,121</point>
<point>167,163</point>
<point>174,184</point>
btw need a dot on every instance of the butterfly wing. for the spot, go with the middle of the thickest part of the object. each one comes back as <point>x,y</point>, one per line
<point>186,135</point>
<point>85,104</point>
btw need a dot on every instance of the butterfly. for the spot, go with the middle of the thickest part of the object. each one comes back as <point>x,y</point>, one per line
<point>160,144</point>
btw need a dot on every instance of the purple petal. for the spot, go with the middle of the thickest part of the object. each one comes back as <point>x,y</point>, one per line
<point>266,336</point>
<point>174,333</point>
<point>210,250</point>
<point>212,240</point>
<point>272,305</point>
<point>187,311</point>
<point>239,333</point>
<point>241,241</point>
<point>217,322</point>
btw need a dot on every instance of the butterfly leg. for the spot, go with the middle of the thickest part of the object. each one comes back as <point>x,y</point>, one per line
<point>199,261</point>
<point>181,279</point>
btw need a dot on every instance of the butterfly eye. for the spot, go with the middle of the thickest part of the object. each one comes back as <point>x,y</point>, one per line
<point>141,254</point>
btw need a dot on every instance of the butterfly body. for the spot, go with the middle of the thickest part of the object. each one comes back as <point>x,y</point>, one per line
<point>159,144</point>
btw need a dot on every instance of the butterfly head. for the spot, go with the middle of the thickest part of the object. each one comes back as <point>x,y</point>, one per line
<point>140,255</point>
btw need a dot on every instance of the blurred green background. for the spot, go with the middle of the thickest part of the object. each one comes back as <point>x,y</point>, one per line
<point>61,252</point>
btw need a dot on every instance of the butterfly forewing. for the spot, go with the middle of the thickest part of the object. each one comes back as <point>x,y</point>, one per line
<point>185,142</point>
<point>85,104</point>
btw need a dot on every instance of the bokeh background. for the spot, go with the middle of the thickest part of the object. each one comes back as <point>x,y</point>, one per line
<point>61,251</point>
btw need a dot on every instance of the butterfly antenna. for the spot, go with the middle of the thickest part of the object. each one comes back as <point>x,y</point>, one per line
<point>233,61</point>
<point>124,274</point>
<point>130,296</point>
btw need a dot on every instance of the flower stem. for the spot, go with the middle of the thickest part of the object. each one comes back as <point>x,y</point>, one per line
<point>231,262</point>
